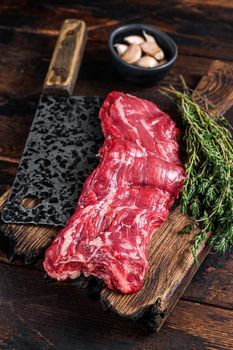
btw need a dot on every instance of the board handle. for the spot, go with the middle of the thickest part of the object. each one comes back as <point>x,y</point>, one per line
<point>67,58</point>
<point>216,86</point>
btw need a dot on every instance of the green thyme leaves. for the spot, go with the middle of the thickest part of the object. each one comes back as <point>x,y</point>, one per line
<point>207,194</point>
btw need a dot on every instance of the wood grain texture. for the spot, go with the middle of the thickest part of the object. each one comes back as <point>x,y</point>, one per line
<point>18,102</point>
<point>28,57</point>
<point>29,240</point>
<point>35,315</point>
<point>25,62</point>
<point>32,240</point>
<point>213,282</point>
<point>217,86</point>
<point>66,59</point>
<point>171,264</point>
<point>171,267</point>
<point>61,314</point>
<point>7,172</point>
<point>213,3</point>
<point>199,27</point>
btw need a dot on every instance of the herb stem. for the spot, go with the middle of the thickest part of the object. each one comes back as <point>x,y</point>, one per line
<point>207,194</point>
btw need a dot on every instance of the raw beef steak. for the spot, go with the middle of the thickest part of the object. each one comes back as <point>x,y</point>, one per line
<point>124,200</point>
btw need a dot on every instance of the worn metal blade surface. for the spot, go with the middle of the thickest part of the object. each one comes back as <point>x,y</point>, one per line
<point>59,154</point>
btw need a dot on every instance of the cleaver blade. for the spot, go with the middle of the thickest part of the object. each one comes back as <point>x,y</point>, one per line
<point>63,141</point>
<point>59,154</point>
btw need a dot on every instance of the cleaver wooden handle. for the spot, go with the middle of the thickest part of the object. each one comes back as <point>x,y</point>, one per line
<point>67,58</point>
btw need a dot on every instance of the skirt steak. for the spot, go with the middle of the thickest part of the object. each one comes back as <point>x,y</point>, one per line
<point>124,200</point>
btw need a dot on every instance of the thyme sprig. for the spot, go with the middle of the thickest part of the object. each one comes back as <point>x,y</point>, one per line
<point>207,194</point>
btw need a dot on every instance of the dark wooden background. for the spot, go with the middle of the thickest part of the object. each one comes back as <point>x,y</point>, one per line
<point>34,315</point>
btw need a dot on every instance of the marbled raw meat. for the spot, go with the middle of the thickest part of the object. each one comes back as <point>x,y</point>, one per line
<point>125,199</point>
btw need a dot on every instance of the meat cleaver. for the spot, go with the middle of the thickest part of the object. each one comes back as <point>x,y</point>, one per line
<point>63,140</point>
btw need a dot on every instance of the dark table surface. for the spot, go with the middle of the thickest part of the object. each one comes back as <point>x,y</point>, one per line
<point>34,315</point>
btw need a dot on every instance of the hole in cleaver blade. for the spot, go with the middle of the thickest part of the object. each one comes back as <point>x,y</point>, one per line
<point>60,153</point>
<point>30,201</point>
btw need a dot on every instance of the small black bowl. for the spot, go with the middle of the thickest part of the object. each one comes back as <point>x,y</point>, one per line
<point>136,74</point>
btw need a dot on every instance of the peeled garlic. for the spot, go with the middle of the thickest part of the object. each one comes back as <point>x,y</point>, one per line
<point>149,38</point>
<point>160,63</point>
<point>147,62</point>
<point>121,48</point>
<point>159,55</point>
<point>150,48</point>
<point>134,39</point>
<point>132,54</point>
<point>141,50</point>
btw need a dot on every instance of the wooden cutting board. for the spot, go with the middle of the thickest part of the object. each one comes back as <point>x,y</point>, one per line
<point>171,264</point>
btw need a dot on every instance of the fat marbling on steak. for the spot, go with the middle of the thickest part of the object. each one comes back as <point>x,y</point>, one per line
<point>124,200</point>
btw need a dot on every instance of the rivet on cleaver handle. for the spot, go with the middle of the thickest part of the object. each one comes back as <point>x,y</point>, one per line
<point>62,144</point>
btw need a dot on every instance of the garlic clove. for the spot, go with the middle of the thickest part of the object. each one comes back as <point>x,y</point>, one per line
<point>160,63</point>
<point>147,62</point>
<point>121,48</point>
<point>150,48</point>
<point>132,54</point>
<point>159,55</point>
<point>149,38</point>
<point>134,39</point>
